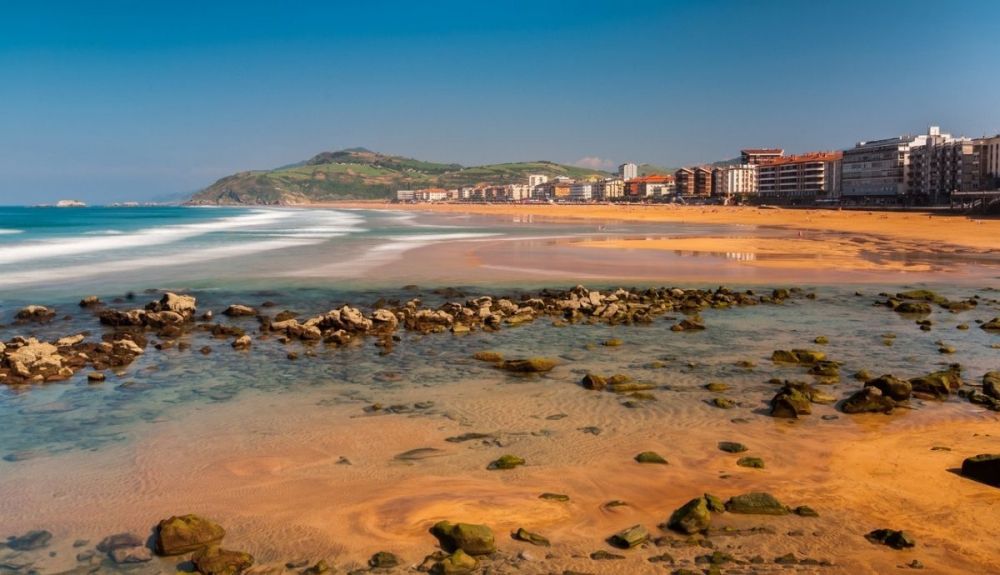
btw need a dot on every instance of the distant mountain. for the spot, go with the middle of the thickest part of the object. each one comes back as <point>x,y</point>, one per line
<point>358,173</point>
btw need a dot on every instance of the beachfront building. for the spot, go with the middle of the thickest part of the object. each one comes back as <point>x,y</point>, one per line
<point>989,162</point>
<point>628,171</point>
<point>753,156</point>
<point>535,180</point>
<point>731,182</point>
<point>581,192</point>
<point>684,182</point>
<point>703,181</point>
<point>609,189</point>
<point>941,166</point>
<point>650,187</point>
<point>800,178</point>
<point>405,195</point>
<point>878,170</point>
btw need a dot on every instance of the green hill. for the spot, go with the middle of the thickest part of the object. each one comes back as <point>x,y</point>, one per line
<point>358,173</point>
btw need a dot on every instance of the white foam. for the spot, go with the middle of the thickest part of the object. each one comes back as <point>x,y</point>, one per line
<point>6,231</point>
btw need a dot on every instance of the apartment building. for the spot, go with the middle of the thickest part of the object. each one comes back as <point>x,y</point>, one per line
<point>684,182</point>
<point>879,169</point>
<point>753,156</point>
<point>804,177</point>
<point>989,162</point>
<point>535,180</point>
<point>730,182</point>
<point>648,187</point>
<point>609,189</point>
<point>406,195</point>
<point>628,171</point>
<point>581,192</point>
<point>941,166</point>
<point>703,181</point>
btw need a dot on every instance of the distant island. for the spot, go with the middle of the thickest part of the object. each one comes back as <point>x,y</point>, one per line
<point>70,204</point>
<point>357,173</point>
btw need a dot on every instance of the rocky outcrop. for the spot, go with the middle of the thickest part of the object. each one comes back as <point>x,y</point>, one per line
<point>34,313</point>
<point>868,400</point>
<point>984,468</point>
<point>186,534</point>
<point>892,387</point>
<point>692,517</point>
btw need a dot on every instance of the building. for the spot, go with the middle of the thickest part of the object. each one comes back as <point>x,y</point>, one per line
<point>703,181</point>
<point>684,181</point>
<point>405,195</point>
<point>760,155</point>
<point>878,170</point>
<point>805,177</point>
<point>729,182</point>
<point>581,192</point>
<point>941,166</point>
<point>989,162</point>
<point>537,180</point>
<point>609,189</point>
<point>648,187</point>
<point>628,171</point>
<point>519,192</point>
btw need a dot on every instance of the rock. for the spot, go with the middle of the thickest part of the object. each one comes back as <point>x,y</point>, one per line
<point>868,400</point>
<point>628,538</point>
<point>805,511</point>
<point>650,457</point>
<point>383,560</point>
<point>864,375</point>
<point>490,356</point>
<point>786,559</point>
<point>90,301</point>
<point>470,538</point>
<point>732,447</point>
<point>242,342</point>
<point>984,467</point>
<point>717,387</point>
<point>715,504</point>
<point>237,310</point>
<point>938,384</point>
<point>821,340</point>
<point>384,321</point>
<point>217,561</point>
<point>803,356</point>
<point>458,563</point>
<point>991,384</point>
<point>593,382</point>
<point>120,540</point>
<point>605,556</point>
<point>554,497</point>
<point>96,377</point>
<point>34,313</point>
<point>181,304</point>
<point>528,537</point>
<point>891,538</point>
<point>506,462</point>
<point>530,365</point>
<point>912,308</point>
<point>891,387</point>
<point>792,400</point>
<point>186,533</point>
<point>754,462</point>
<point>688,324</point>
<point>125,347</point>
<point>133,554</point>
<point>613,342</point>
<point>757,503</point>
<point>992,325</point>
<point>692,517</point>
<point>722,402</point>
<point>70,340</point>
<point>30,541</point>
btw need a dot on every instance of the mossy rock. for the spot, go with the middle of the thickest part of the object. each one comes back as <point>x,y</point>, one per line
<point>732,447</point>
<point>692,517</point>
<point>868,400</point>
<point>593,382</point>
<point>613,342</point>
<point>554,497</point>
<point>892,387</point>
<point>383,560</point>
<point>715,504</point>
<point>891,538</point>
<point>523,534</point>
<point>185,534</point>
<point>468,537</point>
<point>628,538</point>
<point>754,462</point>
<point>506,462</point>
<point>992,325</point>
<point>939,383</point>
<point>458,563</point>
<point>722,402</point>
<point>650,457</point>
<point>717,387</point>
<point>530,365</point>
<point>805,511</point>
<point>216,561</point>
<point>922,295</point>
<point>756,503</point>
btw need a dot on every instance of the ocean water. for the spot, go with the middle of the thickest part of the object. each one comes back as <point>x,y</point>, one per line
<point>232,434</point>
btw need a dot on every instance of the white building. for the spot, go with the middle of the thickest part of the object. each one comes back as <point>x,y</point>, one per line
<point>989,161</point>
<point>609,189</point>
<point>581,192</point>
<point>879,169</point>
<point>535,180</point>
<point>405,195</point>
<point>628,171</point>
<point>519,192</point>
<point>734,181</point>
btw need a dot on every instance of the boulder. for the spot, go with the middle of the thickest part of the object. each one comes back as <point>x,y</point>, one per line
<point>184,305</point>
<point>628,538</point>
<point>938,384</point>
<point>242,342</point>
<point>470,538</point>
<point>30,541</point>
<point>991,384</point>
<point>984,467</point>
<point>237,310</point>
<point>185,534</point>
<point>530,365</point>
<point>868,400</point>
<point>383,560</point>
<point>756,503</point>
<point>650,457</point>
<point>891,538</point>
<point>506,462</point>
<point>458,563</point>
<point>384,321</point>
<point>34,313</point>
<point>692,517</point>
<point>992,325</point>
<point>214,560</point>
<point>892,387</point>
<point>90,301</point>
<point>791,401</point>
<point>528,537</point>
<point>593,382</point>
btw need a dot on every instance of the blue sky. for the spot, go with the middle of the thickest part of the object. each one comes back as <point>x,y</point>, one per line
<point>109,101</point>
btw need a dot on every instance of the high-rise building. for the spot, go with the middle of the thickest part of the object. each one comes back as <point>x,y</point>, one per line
<point>804,177</point>
<point>581,192</point>
<point>703,181</point>
<point>684,181</point>
<point>537,180</point>
<point>878,169</point>
<point>760,155</point>
<point>989,162</point>
<point>941,166</point>
<point>628,171</point>
<point>609,189</point>
<point>735,181</point>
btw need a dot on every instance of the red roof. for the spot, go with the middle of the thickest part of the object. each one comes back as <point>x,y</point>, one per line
<point>763,151</point>
<point>804,158</point>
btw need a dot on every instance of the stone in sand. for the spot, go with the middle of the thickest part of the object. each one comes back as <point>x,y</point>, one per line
<point>530,365</point>
<point>506,462</point>
<point>458,563</point>
<point>554,497</point>
<point>30,541</point>
<point>891,538</point>
<point>732,447</point>
<point>217,561</point>
<point>892,387</point>
<point>383,560</point>
<point>757,503</point>
<point>805,511</point>
<point>992,325</point>
<point>991,384</point>
<point>754,462</point>
<point>722,402</point>
<point>984,467</point>
<point>692,517</point>
<point>593,382</point>
<point>938,384</point>
<point>119,540</point>
<point>715,387</point>
<point>186,533</point>
<point>470,538</point>
<point>523,534</point>
<point>490,356</point>
<point>237,310</point>
<point>628,538</point>
<point>605,556</point>
<point>650,457</point>
<point>868,400</point>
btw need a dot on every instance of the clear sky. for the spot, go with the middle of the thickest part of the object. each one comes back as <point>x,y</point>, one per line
<point>107,101</point>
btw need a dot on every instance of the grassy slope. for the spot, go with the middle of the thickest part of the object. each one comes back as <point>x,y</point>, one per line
<point>361,174</point>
